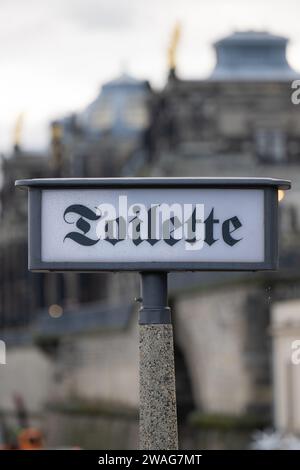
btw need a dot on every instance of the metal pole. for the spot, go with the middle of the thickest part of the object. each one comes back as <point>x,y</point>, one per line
<point>158,416</point>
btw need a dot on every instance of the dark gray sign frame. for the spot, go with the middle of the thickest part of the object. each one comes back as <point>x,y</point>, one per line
<point>270,187</point>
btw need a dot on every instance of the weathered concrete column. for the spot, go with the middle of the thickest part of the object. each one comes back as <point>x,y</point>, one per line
<point>158,415</point>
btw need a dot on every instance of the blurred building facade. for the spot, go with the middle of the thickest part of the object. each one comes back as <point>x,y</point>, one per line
<point>286,359</point>
<point>80,329</point>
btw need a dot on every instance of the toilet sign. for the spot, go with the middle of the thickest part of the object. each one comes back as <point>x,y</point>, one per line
<point>156,224</point>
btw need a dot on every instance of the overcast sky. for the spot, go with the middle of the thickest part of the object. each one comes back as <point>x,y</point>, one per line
<point>55,54</point>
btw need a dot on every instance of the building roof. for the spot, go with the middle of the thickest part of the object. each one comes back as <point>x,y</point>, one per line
<point>125,80</point>
<point>251,36</point>
<point>108,109</point>
<point>252,55</point>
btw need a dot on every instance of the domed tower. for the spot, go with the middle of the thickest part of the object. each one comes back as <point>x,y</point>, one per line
<point>252,55</point>
<point>121,109</point>
<point>110,132</point>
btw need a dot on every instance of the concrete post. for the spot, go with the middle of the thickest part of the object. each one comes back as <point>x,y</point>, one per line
<point>158,416</point>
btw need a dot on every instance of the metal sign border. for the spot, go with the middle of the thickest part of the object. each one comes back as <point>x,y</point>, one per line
<point>268,185</point>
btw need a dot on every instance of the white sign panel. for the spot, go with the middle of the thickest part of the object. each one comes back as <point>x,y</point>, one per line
<point>145,225</point>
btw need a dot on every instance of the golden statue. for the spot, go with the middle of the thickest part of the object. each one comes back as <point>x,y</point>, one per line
<point>172,51</point>
<point>18,131</point>
<point>56,131</point>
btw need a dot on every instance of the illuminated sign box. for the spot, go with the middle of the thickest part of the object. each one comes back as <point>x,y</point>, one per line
<point>153,224</point>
